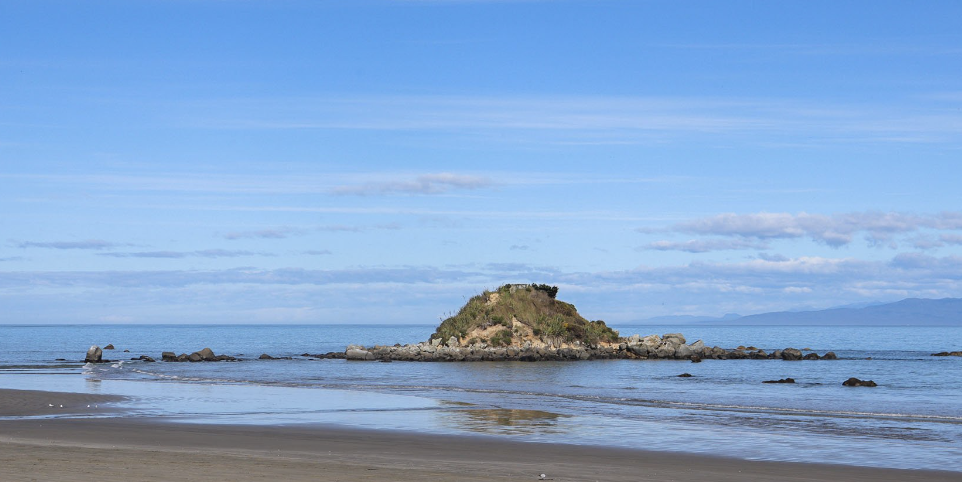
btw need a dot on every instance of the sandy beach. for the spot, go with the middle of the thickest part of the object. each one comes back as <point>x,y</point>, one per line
<point>123,449</point>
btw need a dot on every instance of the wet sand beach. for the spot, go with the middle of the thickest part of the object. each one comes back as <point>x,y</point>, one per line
<point>123,449</point>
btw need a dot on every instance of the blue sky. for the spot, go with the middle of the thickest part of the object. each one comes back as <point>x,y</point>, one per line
<point>378,161</point>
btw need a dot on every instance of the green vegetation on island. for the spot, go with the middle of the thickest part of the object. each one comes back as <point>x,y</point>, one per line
<point>518,313</point>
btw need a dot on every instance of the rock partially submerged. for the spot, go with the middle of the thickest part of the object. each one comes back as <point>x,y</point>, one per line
<point>781,380</point>
<point>204,355</point>
<point>652,347</point>
<point>265,356</point>
<point>855,382</point>
<point>948,353</point>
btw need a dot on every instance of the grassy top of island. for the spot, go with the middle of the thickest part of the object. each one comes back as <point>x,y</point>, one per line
<point>518,313</point>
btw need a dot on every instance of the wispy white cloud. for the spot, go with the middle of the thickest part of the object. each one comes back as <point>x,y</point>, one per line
<point>274,233</point>
<point>92,244</point>
<point>833,230</point>
<point>204,253</point>
<point>708,287</point>
<point>704,245</point>
<point>439,183</point>
<point>952,239</point>
<point>595,120</point>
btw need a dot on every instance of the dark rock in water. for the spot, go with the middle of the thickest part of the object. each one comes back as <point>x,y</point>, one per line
<point>203,355</point>
<point>265,356</point>
<point>810,356</point>
<point>695,359</point>
<point>830,356</point>
<point>782,380</point>
<point>948,353</point>
<point>94,355</point>
<point>791,354</point>
<point>126,351</point>
<point>855,382</point>
<point>144,358</point>
<point>61,359</point>
<point>685,375</point>
<point>109,346</point>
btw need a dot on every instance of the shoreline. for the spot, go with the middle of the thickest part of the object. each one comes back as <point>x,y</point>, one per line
<point>122,449</point>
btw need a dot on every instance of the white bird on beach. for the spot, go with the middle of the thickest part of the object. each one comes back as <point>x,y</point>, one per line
<point>49,404</point>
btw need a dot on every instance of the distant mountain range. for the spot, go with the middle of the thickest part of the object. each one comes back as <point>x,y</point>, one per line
<point>911,311</point>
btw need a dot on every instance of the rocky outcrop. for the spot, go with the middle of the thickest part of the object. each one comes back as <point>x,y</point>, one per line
<point>671,346</point>
<point>948,353</point>
<point>855,382</point>
<point>109,346</point>
<point>781,380</point>
<point>143,358</point>
<point>265,356</point>
<point>94,355</point>
<point>204,355</point>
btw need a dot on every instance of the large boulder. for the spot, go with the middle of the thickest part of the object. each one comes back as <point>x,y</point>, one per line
<point>94,355</point>
<point>665,350</point>
<point>168,356</point>
<point>206,354</point>
<point>674,338</point>
<point>791,354</point>
<point>683,352</point>
<point>355,352</point>
<point>639,349</point>
<point>651,340</point>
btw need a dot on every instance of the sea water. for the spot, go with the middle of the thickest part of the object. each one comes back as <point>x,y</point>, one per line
<point>913,419</point>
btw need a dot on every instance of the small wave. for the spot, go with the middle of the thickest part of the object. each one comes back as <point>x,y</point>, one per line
<point>599,399</point>
<point>656,403</point>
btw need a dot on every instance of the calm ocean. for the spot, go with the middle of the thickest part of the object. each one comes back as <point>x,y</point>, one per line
<point>913,419</point>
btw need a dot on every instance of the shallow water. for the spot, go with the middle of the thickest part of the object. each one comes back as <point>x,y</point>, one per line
<point>912,420</point>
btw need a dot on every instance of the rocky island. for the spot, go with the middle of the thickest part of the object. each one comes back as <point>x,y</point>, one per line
<point>526,322</point>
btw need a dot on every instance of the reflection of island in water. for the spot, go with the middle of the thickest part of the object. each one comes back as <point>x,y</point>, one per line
<point>504,421</point>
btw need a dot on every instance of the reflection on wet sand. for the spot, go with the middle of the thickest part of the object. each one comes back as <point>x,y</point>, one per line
<point>503,421</point>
